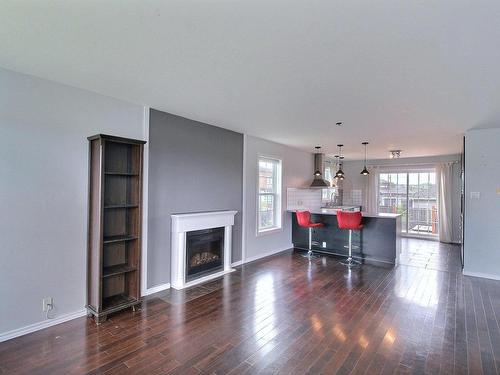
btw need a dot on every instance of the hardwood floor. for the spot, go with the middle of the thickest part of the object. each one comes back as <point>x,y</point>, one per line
<point>284,315</point>
<point>430,255</point>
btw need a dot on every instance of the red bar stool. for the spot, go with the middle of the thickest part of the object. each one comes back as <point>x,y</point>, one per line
<point>351,221</point>
<point>304,220</point>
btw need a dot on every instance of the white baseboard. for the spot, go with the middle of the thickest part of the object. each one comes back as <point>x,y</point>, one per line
<point>482,275</point>
<point>156,289</point>
<point>236,264</point>
<point>267,254</point>
<point>41,325</point>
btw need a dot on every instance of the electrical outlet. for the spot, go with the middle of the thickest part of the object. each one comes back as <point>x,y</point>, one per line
<point>324,244</point>
<point>47,303</point>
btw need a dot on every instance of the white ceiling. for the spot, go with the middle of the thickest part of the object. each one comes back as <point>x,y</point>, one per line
<point>411,75</point>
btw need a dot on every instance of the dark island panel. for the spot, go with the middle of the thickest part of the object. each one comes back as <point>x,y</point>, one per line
<point>379,241</point>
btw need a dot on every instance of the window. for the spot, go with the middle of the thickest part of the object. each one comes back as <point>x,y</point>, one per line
<point>415,196</point>
<point>269,195</point>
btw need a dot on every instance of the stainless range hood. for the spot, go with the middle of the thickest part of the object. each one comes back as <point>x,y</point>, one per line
<point>318,181</point>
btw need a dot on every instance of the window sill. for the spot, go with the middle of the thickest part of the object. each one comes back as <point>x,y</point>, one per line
<point>265,232</point>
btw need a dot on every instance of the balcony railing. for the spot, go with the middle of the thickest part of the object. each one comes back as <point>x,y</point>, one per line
<point>416,220</point>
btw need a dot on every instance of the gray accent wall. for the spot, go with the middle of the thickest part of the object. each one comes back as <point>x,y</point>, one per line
<point>192,167</point>
<point>482,203</point>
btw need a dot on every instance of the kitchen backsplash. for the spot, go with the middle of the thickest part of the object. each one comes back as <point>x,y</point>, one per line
<point>354,197</point>
<point>301,199</point>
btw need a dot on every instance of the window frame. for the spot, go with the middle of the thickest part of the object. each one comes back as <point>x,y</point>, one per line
<point>277,194</point>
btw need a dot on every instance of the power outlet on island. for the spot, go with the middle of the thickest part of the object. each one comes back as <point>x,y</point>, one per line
<point>323,244</point>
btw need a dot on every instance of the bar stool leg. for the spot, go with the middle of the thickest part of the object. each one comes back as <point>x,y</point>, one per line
<point>310,238</point>
<point>310,253</point>
<point>350,261</point>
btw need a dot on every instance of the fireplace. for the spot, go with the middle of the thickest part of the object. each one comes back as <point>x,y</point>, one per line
<point>204,252</point>
<point>201,247</point>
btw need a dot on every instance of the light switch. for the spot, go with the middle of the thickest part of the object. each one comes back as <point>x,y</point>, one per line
<point>474,195</point>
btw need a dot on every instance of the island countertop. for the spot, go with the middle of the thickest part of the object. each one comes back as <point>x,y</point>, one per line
<point>333,211</point>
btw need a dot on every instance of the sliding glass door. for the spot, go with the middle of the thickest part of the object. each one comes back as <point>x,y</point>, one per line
<point>414,195</point>
<point>423,203</point>
<point>393,195</point>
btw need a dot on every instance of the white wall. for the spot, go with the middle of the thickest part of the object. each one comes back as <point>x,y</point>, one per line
<point>354,180</point>
<point>297,172</point>
<point>482,223</point>
<point>43,191</point>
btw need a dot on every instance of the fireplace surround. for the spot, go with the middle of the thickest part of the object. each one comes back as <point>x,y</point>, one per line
<point>201,247</point>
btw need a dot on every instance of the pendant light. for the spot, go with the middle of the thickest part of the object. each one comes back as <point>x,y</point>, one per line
<point>365,172</point>
<point>340,172</point>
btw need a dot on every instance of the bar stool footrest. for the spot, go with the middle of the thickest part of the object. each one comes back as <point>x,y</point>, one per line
<point>353,246</point>
<point>350,262</point>
<point>310,255</point>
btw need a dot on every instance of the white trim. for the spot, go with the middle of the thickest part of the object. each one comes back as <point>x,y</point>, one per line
<point>156,289</point>
<point>236,264</point>
<point>402,168</point>
<point>145,180</point>
<point>267,254</point>
<point>480,274</point>
<point>243,204</point>
<point>41,325</point>
<point>187,222</point>
<point>272,230</point>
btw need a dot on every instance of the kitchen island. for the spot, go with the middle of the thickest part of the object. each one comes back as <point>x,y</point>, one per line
<point>379,241</point>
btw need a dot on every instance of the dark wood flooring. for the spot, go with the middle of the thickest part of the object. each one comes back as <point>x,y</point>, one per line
<point>430,255</point>
<point>284,315</point>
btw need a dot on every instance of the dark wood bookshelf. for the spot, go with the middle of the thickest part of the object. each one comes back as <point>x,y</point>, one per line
<point>117,302</point>
<point>127,174</point>
<point>117,270</point>
<point>121,206</point>
<point>119,238</point>
<point>114,227</point>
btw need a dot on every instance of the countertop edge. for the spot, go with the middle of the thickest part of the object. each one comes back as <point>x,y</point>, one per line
<point>365,214</point>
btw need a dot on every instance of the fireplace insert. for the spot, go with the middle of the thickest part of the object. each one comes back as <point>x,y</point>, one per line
<point>204,252</point>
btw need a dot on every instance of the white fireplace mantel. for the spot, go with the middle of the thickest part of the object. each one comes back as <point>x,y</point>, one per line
<point>182,223</point>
